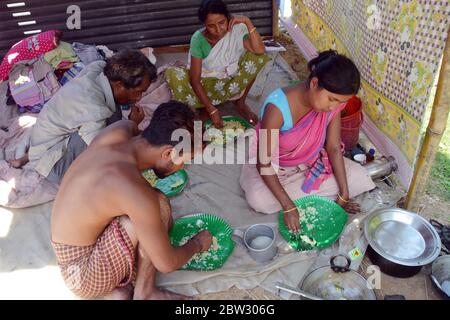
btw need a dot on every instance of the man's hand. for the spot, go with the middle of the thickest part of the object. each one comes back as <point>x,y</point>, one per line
<point>292,220</point>
<point>204,239</point>
<point>136,115</point>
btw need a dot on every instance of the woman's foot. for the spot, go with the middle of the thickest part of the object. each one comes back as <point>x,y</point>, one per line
<point>245,112</point>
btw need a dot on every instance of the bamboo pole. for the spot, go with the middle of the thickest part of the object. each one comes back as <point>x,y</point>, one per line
<point>435,130</point>
<point>276,19</point>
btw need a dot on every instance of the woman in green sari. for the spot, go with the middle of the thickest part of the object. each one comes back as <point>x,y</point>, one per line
<point>224,59</point>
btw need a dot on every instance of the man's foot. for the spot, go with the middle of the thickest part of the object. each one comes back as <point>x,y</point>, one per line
<point>124,293</point>
<point>159,294</point>
<point>17,163</point>
<point>245,112</point>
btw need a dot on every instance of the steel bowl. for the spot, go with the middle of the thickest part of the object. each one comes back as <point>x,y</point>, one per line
<point>327,284</point>
<point>333,282</point>
<point>401,242</point>
<point>440,274</point>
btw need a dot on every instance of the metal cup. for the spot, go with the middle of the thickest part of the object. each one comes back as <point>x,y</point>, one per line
<point>254,231</point>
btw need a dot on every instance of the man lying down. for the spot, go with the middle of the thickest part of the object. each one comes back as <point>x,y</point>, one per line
<point>109,227</point>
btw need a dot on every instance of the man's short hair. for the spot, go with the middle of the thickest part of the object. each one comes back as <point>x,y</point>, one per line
<point>167,118</point>
<point>130,67</point>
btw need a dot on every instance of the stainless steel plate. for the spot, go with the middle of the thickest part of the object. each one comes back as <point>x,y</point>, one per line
<point>402,237</point>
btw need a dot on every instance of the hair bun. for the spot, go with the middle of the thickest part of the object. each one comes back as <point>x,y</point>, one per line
<point>335,72</point>
<point>324,55</point>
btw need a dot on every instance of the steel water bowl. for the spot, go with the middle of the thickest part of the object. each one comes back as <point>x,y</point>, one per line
<point>401,242</point>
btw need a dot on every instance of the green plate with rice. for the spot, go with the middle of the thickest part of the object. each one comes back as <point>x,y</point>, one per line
<point>222,247</point>
<point>230,123</point>
<point>321,220</point>
<point>171,185</point>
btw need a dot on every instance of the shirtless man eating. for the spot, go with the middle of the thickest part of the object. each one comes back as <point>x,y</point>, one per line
<point>109,226</point>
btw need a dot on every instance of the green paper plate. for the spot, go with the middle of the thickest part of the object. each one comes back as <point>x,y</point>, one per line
<point>323,221</point>
<point>186,227</point>
<point>171,185</point>
<point>243,122</point>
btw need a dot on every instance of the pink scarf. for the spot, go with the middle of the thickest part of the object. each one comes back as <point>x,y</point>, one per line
<point>304,144</point>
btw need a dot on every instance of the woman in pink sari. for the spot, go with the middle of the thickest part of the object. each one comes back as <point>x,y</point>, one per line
<point>297,146</point>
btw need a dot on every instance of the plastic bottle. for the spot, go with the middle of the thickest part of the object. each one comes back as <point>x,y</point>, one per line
<point>353,242</point>
<point>370,155</point>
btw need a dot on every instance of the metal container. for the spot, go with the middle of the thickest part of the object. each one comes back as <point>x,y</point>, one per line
<point>333,282</point>
<point>246,238</point>
<point>440,274</point>
<point>381,167</point>
<point>400,242</point>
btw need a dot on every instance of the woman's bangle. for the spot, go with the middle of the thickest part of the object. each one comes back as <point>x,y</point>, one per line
<point>253,30</point>
<point>215,111</point>
<point>290,210</point>
<point>340,197</point>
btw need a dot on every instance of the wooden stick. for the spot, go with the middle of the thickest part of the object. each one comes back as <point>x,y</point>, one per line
<point>276,18</point>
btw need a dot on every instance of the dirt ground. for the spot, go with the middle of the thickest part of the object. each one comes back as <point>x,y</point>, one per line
<point>418,287</point>
<point>432,207</point>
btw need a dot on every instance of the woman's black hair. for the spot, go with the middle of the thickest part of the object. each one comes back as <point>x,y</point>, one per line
<point>212,6</point>
<point>336,73</point>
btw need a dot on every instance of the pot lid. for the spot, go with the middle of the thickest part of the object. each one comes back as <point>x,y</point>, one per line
<point>338,282</point>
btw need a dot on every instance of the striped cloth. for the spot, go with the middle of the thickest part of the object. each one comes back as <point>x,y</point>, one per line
<point>96,270</point>
<point>32,83</point>
<point>24,87</point>
<point>71,73</point>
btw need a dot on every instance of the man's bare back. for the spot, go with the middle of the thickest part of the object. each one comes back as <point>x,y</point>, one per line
<point>85,204</point>
<point>105,182</point>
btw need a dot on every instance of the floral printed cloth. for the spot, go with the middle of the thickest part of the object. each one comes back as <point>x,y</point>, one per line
<point>218,90</point>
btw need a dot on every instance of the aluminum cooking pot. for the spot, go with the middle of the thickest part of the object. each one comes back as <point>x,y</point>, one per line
<point>400,242</point>
<point>333,282</point>
<point>440,274</point>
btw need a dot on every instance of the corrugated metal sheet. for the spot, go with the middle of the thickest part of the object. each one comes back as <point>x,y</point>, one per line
<point>116,23</point>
